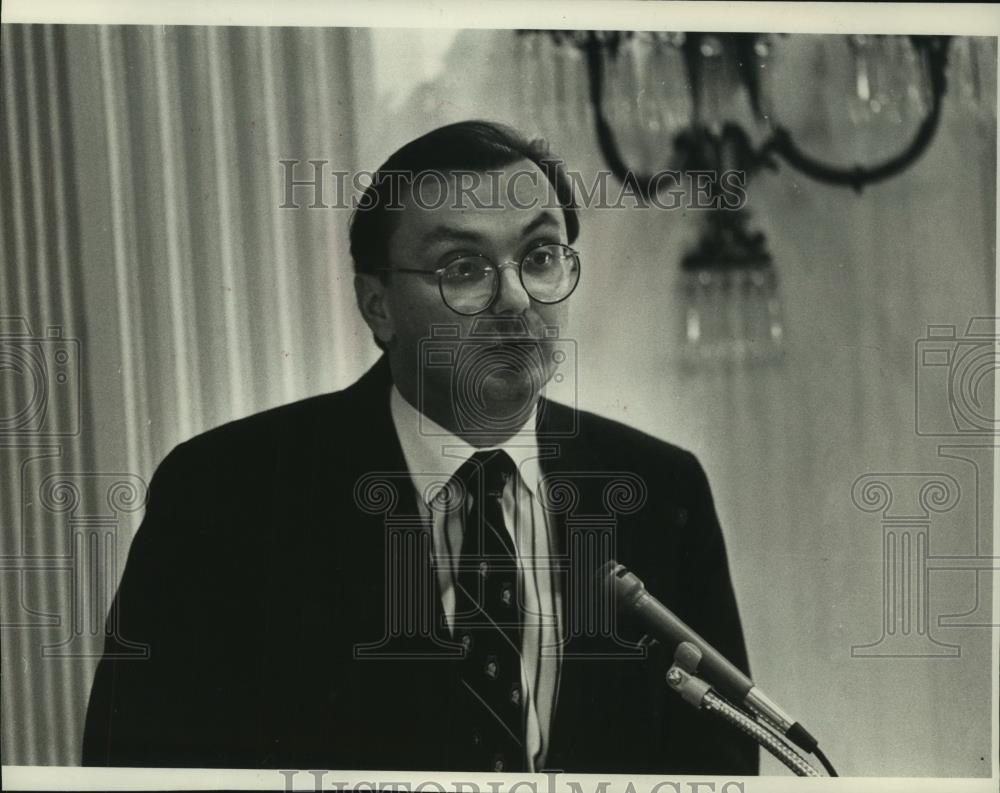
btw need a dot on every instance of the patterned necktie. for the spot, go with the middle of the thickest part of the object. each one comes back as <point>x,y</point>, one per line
<point>490,715</point>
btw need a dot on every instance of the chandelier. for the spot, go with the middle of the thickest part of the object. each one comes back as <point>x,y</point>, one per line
<point>703,102</point>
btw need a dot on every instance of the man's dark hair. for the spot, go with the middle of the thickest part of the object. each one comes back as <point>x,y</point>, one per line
<point>475,146</point>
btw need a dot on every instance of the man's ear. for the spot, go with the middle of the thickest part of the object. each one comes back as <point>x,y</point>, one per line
<point>373,302</point>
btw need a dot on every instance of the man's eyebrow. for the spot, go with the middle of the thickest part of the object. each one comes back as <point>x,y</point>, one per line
<point>544,219</point>
<point>451,234</point>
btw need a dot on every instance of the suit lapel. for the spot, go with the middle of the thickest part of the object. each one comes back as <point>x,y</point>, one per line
<point>562,457</point>
<point>588,531</point>
<point>391,544</point>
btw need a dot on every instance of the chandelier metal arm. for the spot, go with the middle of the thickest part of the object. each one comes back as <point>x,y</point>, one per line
<point>780,142</point>
<point>859,176</point>
<point>592,48</point>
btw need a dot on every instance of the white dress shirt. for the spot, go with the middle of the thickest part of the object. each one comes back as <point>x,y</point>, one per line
<point>433,455</point>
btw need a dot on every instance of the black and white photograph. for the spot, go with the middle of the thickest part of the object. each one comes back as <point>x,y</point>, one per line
<point>470,397</point>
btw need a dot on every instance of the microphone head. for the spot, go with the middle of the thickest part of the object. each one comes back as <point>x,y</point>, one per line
<point>622,585</point>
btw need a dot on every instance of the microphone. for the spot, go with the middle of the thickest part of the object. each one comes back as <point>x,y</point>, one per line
<point>632,600</point>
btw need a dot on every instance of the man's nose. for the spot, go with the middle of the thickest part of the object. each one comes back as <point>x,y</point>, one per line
<point>511,297</point>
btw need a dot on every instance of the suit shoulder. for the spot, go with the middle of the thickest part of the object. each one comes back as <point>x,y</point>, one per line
<point>290,417</point>
<point>295,424</point>
<point>611,439</point>
<point>258,437</point>
<point>274,445</point>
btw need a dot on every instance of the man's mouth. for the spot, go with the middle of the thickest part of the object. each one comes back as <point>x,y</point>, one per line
<point>519,352</point>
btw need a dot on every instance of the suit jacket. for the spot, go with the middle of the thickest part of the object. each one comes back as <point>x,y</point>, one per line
<point>273,548</point>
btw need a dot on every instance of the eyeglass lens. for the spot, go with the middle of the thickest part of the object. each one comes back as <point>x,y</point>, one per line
<point>549,274</point>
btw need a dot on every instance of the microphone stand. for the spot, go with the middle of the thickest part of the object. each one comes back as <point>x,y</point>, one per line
<point>695,691</point>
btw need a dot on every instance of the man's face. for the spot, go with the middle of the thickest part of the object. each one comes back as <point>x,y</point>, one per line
<point>505,214</point>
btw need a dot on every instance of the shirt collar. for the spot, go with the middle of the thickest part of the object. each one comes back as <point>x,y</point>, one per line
<point>429,447</point>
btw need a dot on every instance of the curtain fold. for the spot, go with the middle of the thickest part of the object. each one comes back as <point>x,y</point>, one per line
<point>48,607</point>
<point>141,181</point>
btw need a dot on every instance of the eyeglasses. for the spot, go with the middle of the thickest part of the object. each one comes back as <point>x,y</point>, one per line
<point>469,284</point>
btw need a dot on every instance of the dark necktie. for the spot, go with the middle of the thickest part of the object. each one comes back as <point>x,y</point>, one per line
<point>490,715</point>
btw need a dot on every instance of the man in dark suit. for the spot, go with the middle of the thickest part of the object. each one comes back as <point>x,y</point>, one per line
<point>401,575</point>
